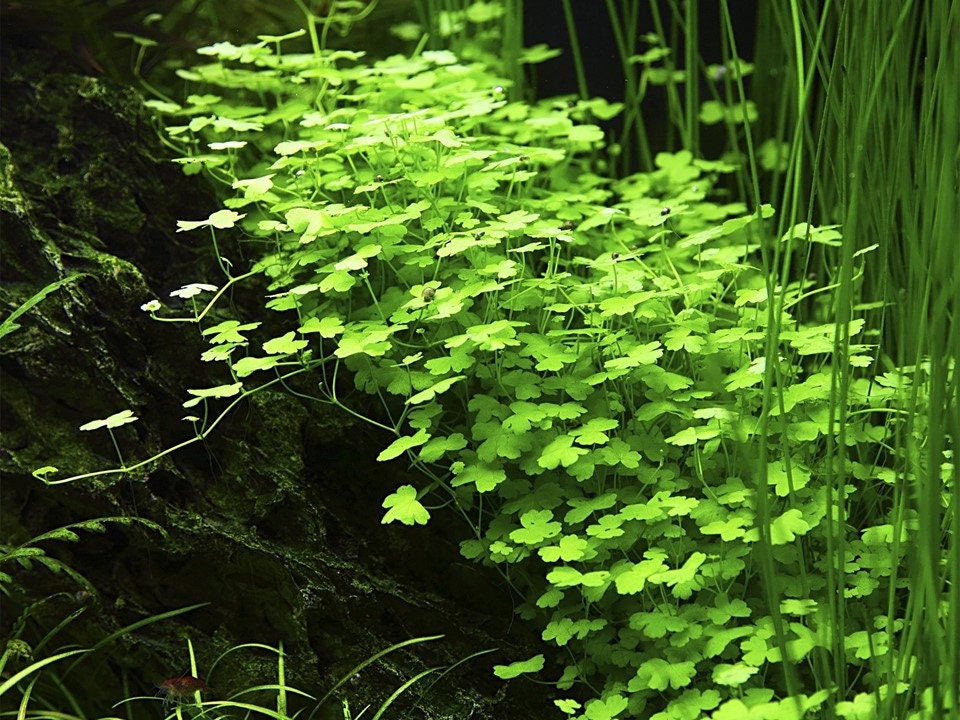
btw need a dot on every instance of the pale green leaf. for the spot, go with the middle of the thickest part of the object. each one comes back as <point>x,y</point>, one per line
<point>248,365</point>
<point>431,392</point>
<point>329,326</point>
<point>484,477</point>
<point>284,345</point>
<point>116,420</point>
<point>402,444</point>
<point>404,506</point>
<point>785,528</point>
<point>515,669</point>
<point>221,219</point>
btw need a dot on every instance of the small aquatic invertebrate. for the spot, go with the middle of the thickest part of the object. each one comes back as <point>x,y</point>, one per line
<point>177,689</point>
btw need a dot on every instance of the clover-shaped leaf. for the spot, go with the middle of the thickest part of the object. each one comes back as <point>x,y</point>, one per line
<point>538,525</point>
<point>560,631</point>
<point>116,420</point>
<point>437,447</point>
<point>372,339</point>
<point>526,416</point>
<point>635,579</point>
<point>221,219</point>
<point>436,389</point>
<point>618,452</point>
<point>785,482</point>
<point>485,477</point>
<point>566,576</point>
<point>606,527</point>
<point>755,647</point>
<point>736,709</point>
<point>732,675</point>
<point>607,708</point>
<point>504,445</point>
<point>284,345</point>
<point>682,575</point>
<point>220,391</point>
<point>567,705</point>
<point>41,474</point>
<point>254,188</point>
<point>358,260</point>
<point>248,365</point>
<point>329,326</point>
<point>594,431</point>
<point>585,507</point>
<point>657,624</point>
<point>719,641</point>
<point>188,291</point>
<point>825,235</point>
<point>229,331</point>
<point>404,506</point>
<point>747,376</point>
<point>726,609</point>
<point>570,549</point>
<point>483,12</point>
<point>338,281</point>
<point>730,528</point>
<point>537,54</point>
<point>658,674</point>
<point>691,435</point>
<point>646,354</point>
<point>785,528</point>
<point>560,451</point>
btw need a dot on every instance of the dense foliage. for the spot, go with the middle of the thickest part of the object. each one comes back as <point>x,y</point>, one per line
<point>683,463</point>
<point>577,362</point>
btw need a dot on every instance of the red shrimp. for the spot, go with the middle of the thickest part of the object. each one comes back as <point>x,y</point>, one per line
<point>178,689</point>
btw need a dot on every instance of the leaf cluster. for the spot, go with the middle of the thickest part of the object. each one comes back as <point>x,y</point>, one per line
<point>581,364</point>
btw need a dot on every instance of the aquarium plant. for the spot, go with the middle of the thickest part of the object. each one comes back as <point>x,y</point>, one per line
<point>695,466</point>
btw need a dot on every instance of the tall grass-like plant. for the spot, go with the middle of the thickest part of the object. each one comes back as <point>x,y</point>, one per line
<point>870,121</point>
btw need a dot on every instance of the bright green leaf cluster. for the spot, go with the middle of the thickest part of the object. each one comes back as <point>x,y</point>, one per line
<point>578,362</point>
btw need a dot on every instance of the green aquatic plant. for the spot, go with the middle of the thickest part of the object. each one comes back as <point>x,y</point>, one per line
<point>867,126</point>
<point>685,457</point>
<point>575,362</point>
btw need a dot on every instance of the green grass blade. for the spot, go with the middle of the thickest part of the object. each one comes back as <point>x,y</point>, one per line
<point>373,659</point>
<point>36,666</point>
<point>133,627</point>
<point>8,325</point>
